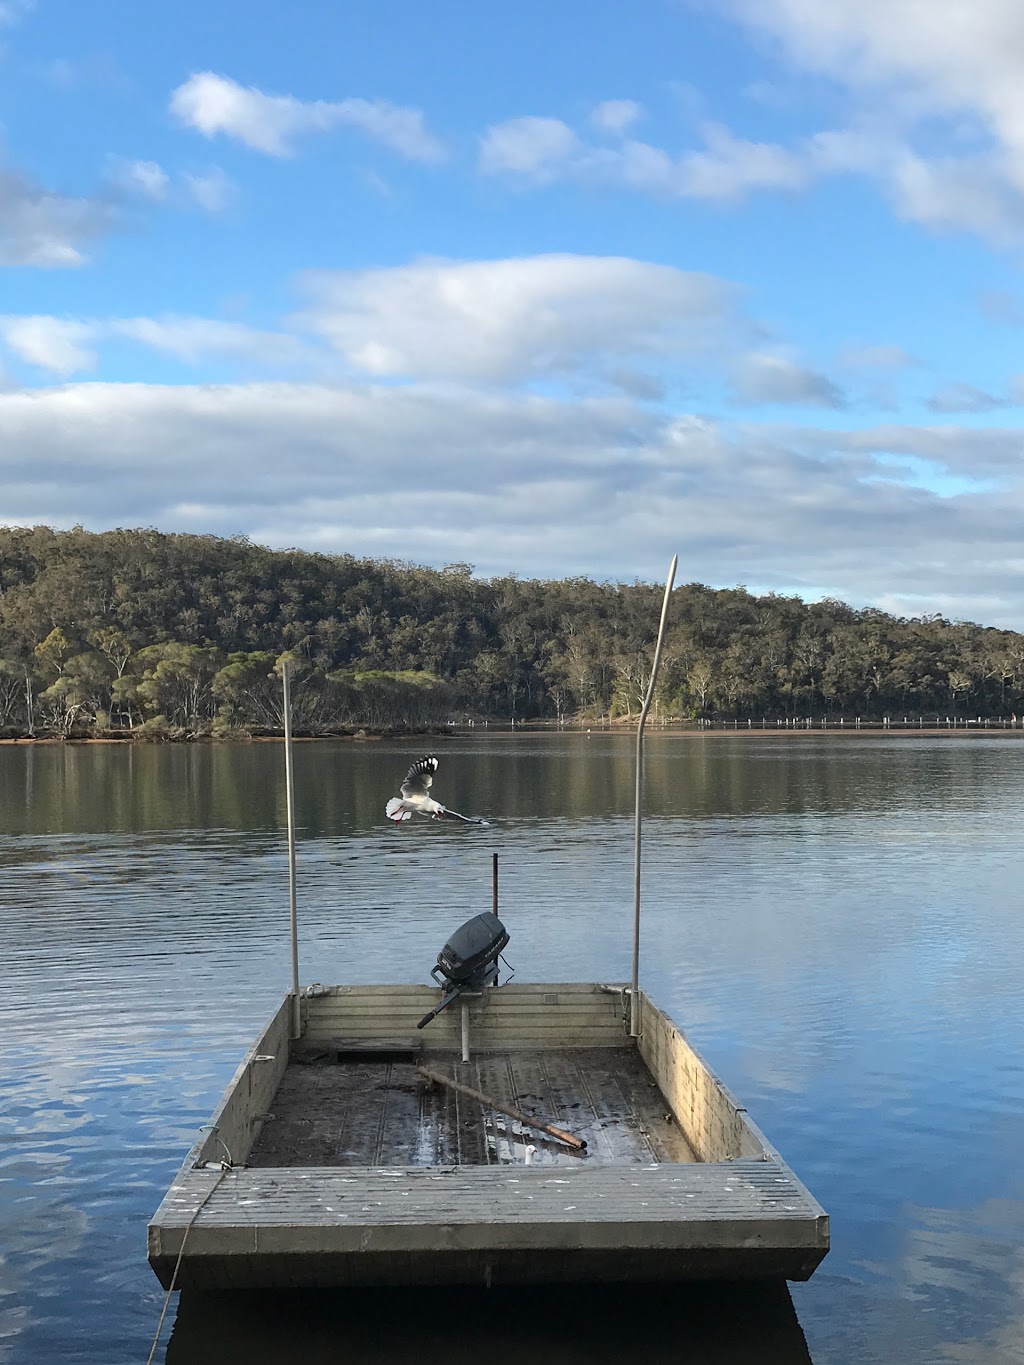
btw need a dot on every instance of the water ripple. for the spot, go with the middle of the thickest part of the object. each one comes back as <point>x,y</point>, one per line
<point>837,924</point>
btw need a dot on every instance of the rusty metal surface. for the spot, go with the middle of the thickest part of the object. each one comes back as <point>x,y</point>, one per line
<point>372,1112</point>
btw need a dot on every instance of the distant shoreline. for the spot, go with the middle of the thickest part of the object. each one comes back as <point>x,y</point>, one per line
<point>992,731</point>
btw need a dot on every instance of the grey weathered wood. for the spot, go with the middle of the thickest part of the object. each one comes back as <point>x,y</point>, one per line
<point>570,1014</point>
<point>739,1212</point>
<point>715,1124</point>
<point>751,1207</point>
<point>439,1078</point>
<point>370,1047</point>
<point>237,1120</point>
<point>372,1110</point>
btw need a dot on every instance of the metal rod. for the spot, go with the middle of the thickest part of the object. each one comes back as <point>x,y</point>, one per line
<point>465,1030</point>
<point>494,883</point>
<point>634,998</point>
<point>289,779</point>
<point>439,1078</point>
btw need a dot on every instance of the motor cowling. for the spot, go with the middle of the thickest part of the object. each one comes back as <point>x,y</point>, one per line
<point>468,961</point>
<point>471,952</point>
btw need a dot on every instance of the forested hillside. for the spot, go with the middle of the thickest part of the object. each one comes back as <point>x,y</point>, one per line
<point>166,634</point>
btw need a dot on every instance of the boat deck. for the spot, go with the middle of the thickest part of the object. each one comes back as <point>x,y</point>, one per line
<point>365,1111</point>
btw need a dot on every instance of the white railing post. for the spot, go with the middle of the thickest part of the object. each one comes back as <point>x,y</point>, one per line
<point>634,1010</point>
<point>289,779</point>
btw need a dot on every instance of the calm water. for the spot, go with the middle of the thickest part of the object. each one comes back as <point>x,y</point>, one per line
<point>836,922</point>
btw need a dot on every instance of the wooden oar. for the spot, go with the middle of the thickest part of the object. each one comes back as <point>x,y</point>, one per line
<point>439,1078</point>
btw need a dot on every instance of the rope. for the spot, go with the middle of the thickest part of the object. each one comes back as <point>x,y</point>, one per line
<point>225,1168</point>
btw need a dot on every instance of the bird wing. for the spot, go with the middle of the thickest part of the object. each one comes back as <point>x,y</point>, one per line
<point>420,776</point>
<point>469,819</point>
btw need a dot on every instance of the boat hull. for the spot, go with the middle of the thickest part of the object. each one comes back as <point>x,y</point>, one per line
<point>705,1199</point>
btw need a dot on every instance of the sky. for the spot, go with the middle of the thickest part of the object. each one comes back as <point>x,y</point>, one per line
<point>551,290</point>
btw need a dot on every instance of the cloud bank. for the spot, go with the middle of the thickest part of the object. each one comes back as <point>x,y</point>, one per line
<point>512,414</point>
<point>535,485</point>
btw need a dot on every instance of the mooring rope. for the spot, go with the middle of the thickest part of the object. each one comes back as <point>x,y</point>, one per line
<point>225,1167</point>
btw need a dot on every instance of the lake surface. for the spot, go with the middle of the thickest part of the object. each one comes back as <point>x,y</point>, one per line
<point>837,923</point>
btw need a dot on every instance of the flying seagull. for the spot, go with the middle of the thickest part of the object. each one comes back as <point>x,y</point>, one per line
<point>415,797</point>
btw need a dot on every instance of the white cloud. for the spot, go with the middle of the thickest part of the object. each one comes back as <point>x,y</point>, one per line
<point>506,320</point>
<point>213,190</point>
<point>58,345</point>
<point>633,165</point>
<point>400,129</point>
<point>539,486</point>
<point>542,150</point>
<point>978,192</point>
<point>991,453</point>
<point>268,123</point>
<point>960,397</point>
<point>39,227</point>
<point>952,55</point>
<point>67,346</point>
<point>215,104</point>
<point>960,192</point>
<point>953,63</point>
<point>764,377</point>
<point>615,116</point>
<point>556,323</point>
<point>192,340</point>
<point>730,167</point>
<point>948,70</point>
<point>145,178</point>
<point>210,190</point>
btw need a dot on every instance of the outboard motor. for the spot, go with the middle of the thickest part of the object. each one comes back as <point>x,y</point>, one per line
<point>468,961</point>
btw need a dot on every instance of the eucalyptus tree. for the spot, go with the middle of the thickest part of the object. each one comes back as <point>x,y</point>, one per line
<point>159,617</point>
<point>176,681</point>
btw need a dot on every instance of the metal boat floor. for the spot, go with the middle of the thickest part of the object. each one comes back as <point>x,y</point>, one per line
<point>376,1111</point>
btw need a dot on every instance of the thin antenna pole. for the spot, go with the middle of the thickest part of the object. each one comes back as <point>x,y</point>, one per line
<point>289,779</point>
<point>634,998</point>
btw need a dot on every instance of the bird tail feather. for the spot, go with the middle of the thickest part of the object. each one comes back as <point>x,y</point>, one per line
<point>394,810</point>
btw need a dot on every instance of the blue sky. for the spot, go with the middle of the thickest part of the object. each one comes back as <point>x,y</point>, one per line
<point>548,289</point>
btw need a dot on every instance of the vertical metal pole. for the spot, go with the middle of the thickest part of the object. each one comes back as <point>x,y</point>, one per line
<point>465,1030</point>
<point>494,883</point>
<point>289,778</point>
<point>634,998</point>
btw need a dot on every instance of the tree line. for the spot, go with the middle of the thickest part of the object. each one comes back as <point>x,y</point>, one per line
<point>166,635</point>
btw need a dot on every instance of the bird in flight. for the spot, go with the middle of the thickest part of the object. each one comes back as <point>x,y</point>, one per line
<point>416,797</point>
